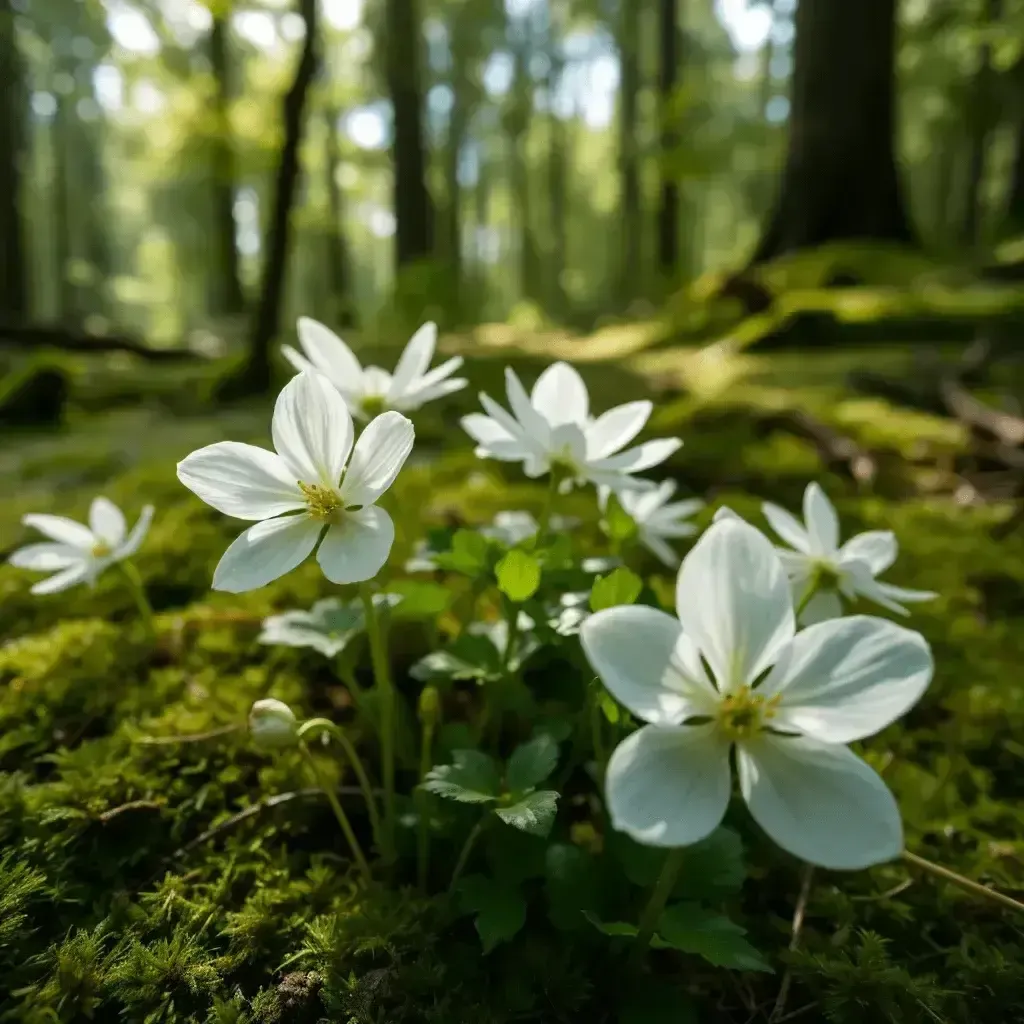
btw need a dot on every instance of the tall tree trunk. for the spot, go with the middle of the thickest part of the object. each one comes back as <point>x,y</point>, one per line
<point>840,180</point>
<point>67,294</point>
<point>228,296</point>
<point>14,285</point>
<point>981,117</point>
<point>457,127</point>
<point>413,211</point>
<point>256,375</point>
<point>517,122</point>
<point>337,250</point>
<point>1015,195</point>
<point>629,61</point>
<point>558,162</point>
<point>668,79</point>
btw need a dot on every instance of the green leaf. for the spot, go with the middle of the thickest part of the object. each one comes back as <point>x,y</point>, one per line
<point>572,885</point>
<point>518,575</point>
<point>692,928</point>
<point>534,813</point>
<point>471,656</point>
<point>714,867</point>
<point>469,554</point>
<point>472,779</point>
<point>621,930</point>
<point>621,586</point>
<point>617,523</point>
<point>609,708</point>
<point>531,763</point>
<point>421,599</point>
<point>500,909</point>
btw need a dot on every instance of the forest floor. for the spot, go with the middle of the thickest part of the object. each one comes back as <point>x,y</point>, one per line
<point>117,903</point>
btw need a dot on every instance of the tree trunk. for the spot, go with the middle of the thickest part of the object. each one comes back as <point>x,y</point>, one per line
<point>1015,195</point>
<point>14,286</point>
<point>337,250</point>
<point>457,127</point>
<point>629,171</point>
<point>228,297</point>
<point>668,78</point>
<point>256,376</point>
<point>67,294</point>
<point>558,162</point>
<point>412,206</point>
<point>517,122</point>
<point>979,122</point>
<point>840,181</point>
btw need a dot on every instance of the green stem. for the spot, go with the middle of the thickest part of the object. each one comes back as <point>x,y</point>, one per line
<point>467,849</point>
<point>546,509</point>
<point>805,598</point>
<point>131,574</point>
<point>381,673</point>
<point>656,904</point>
<point>597,735</point>
<point>975,888</point>
<point>350,752</point>
<point>423,830</point>
<point>339,813</point>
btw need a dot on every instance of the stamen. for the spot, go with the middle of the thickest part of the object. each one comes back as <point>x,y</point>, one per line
<point>101,549</point>
<point>372,405</point>
<point>323,502</point>
<point>746,712</point>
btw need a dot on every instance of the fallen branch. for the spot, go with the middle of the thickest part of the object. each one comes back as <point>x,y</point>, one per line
<point>132,805</point>
<point>1003,426</point>
<point>69,339</point>
<point>834,449</point>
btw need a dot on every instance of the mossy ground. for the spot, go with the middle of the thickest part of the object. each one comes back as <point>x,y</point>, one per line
<point>114,905</point>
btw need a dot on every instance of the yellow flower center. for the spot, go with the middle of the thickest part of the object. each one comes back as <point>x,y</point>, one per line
<point>745,712</point>
<point>101,549</point>
<point>372,405</point>
<point>323,502</point>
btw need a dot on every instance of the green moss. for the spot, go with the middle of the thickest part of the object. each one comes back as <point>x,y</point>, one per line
<point>113,905</point>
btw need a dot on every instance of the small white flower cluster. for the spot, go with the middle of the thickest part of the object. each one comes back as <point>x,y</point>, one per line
<point>730,672</point>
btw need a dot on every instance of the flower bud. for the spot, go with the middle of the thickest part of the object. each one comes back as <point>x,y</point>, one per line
<point>273,725</point>
<point>430,706</point>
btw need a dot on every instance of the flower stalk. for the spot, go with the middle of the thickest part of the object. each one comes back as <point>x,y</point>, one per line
<point>430,711</point>
<point>382,676</point>
<point>467,849</point>
<point>339,813</point>
<point>656,904</point>
<point>135,585</point>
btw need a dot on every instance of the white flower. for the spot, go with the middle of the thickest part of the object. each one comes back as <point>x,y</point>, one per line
<point>312,432</point>
<point>77,553</point>
<point>551,430</point>
<point>511,527</point>
<point>848,571</point>
<point>273,725</point>
<point>695,680</point>
<point>656,521</point>
<point>370,390</point>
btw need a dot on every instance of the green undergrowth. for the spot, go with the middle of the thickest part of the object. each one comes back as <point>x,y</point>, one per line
<point>155,868</point>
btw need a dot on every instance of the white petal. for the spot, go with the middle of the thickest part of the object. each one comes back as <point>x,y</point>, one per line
<point>377,458</point>
<point>329,354</point>
<point>821,521</point>
<point>560,395</point>
<point>45,557</point>
<point>876,548</point>
<point>512,425</point>
<point>661,550</point>
<point>669,786</point>
<point>69,577</point>
<point>494,440</point>
<point>788,527</point>
<point>903,594</point>
<point>241,480</point>
<point>616,481</point>
<point>106,521</point>
<point>672,527</point>
<point>266,551</point>
<point>632,649</point>
<point>533,423</point>
<point>734,602</point>
<point>849,678</point>
<point>643,456</point>
<point>726,513</point>
<point>679,509</point>
<point>797,565</point>
<point>858,581</point>
<point>420,395</point>
<point>824,605</point>
<point>356,548</point>
<point>414,360</point>
<point>439,374</point>
<point>61,529</point>
<point>134,540</point>
<point>297,359</point>
<point>616,428</point>
<point>820,802</point>
<point>312,429</point>
<point>642,505</point>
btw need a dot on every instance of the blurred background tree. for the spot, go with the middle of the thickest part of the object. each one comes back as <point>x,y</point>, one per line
<point>176,169</point>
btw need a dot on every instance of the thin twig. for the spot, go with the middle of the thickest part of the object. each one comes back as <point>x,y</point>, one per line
<point>798,1013</point>
<point>198,737</point>
<point>794,941</point>
<point>131,805</point>
<point>887,895</point>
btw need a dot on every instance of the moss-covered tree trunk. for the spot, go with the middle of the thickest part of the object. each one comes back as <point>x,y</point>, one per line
<point>840,181</point>
<point>256,375</point>
<point>227,295</point>
<point>668,80</point>
<point>413,211</point>
<point>14,285</point>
